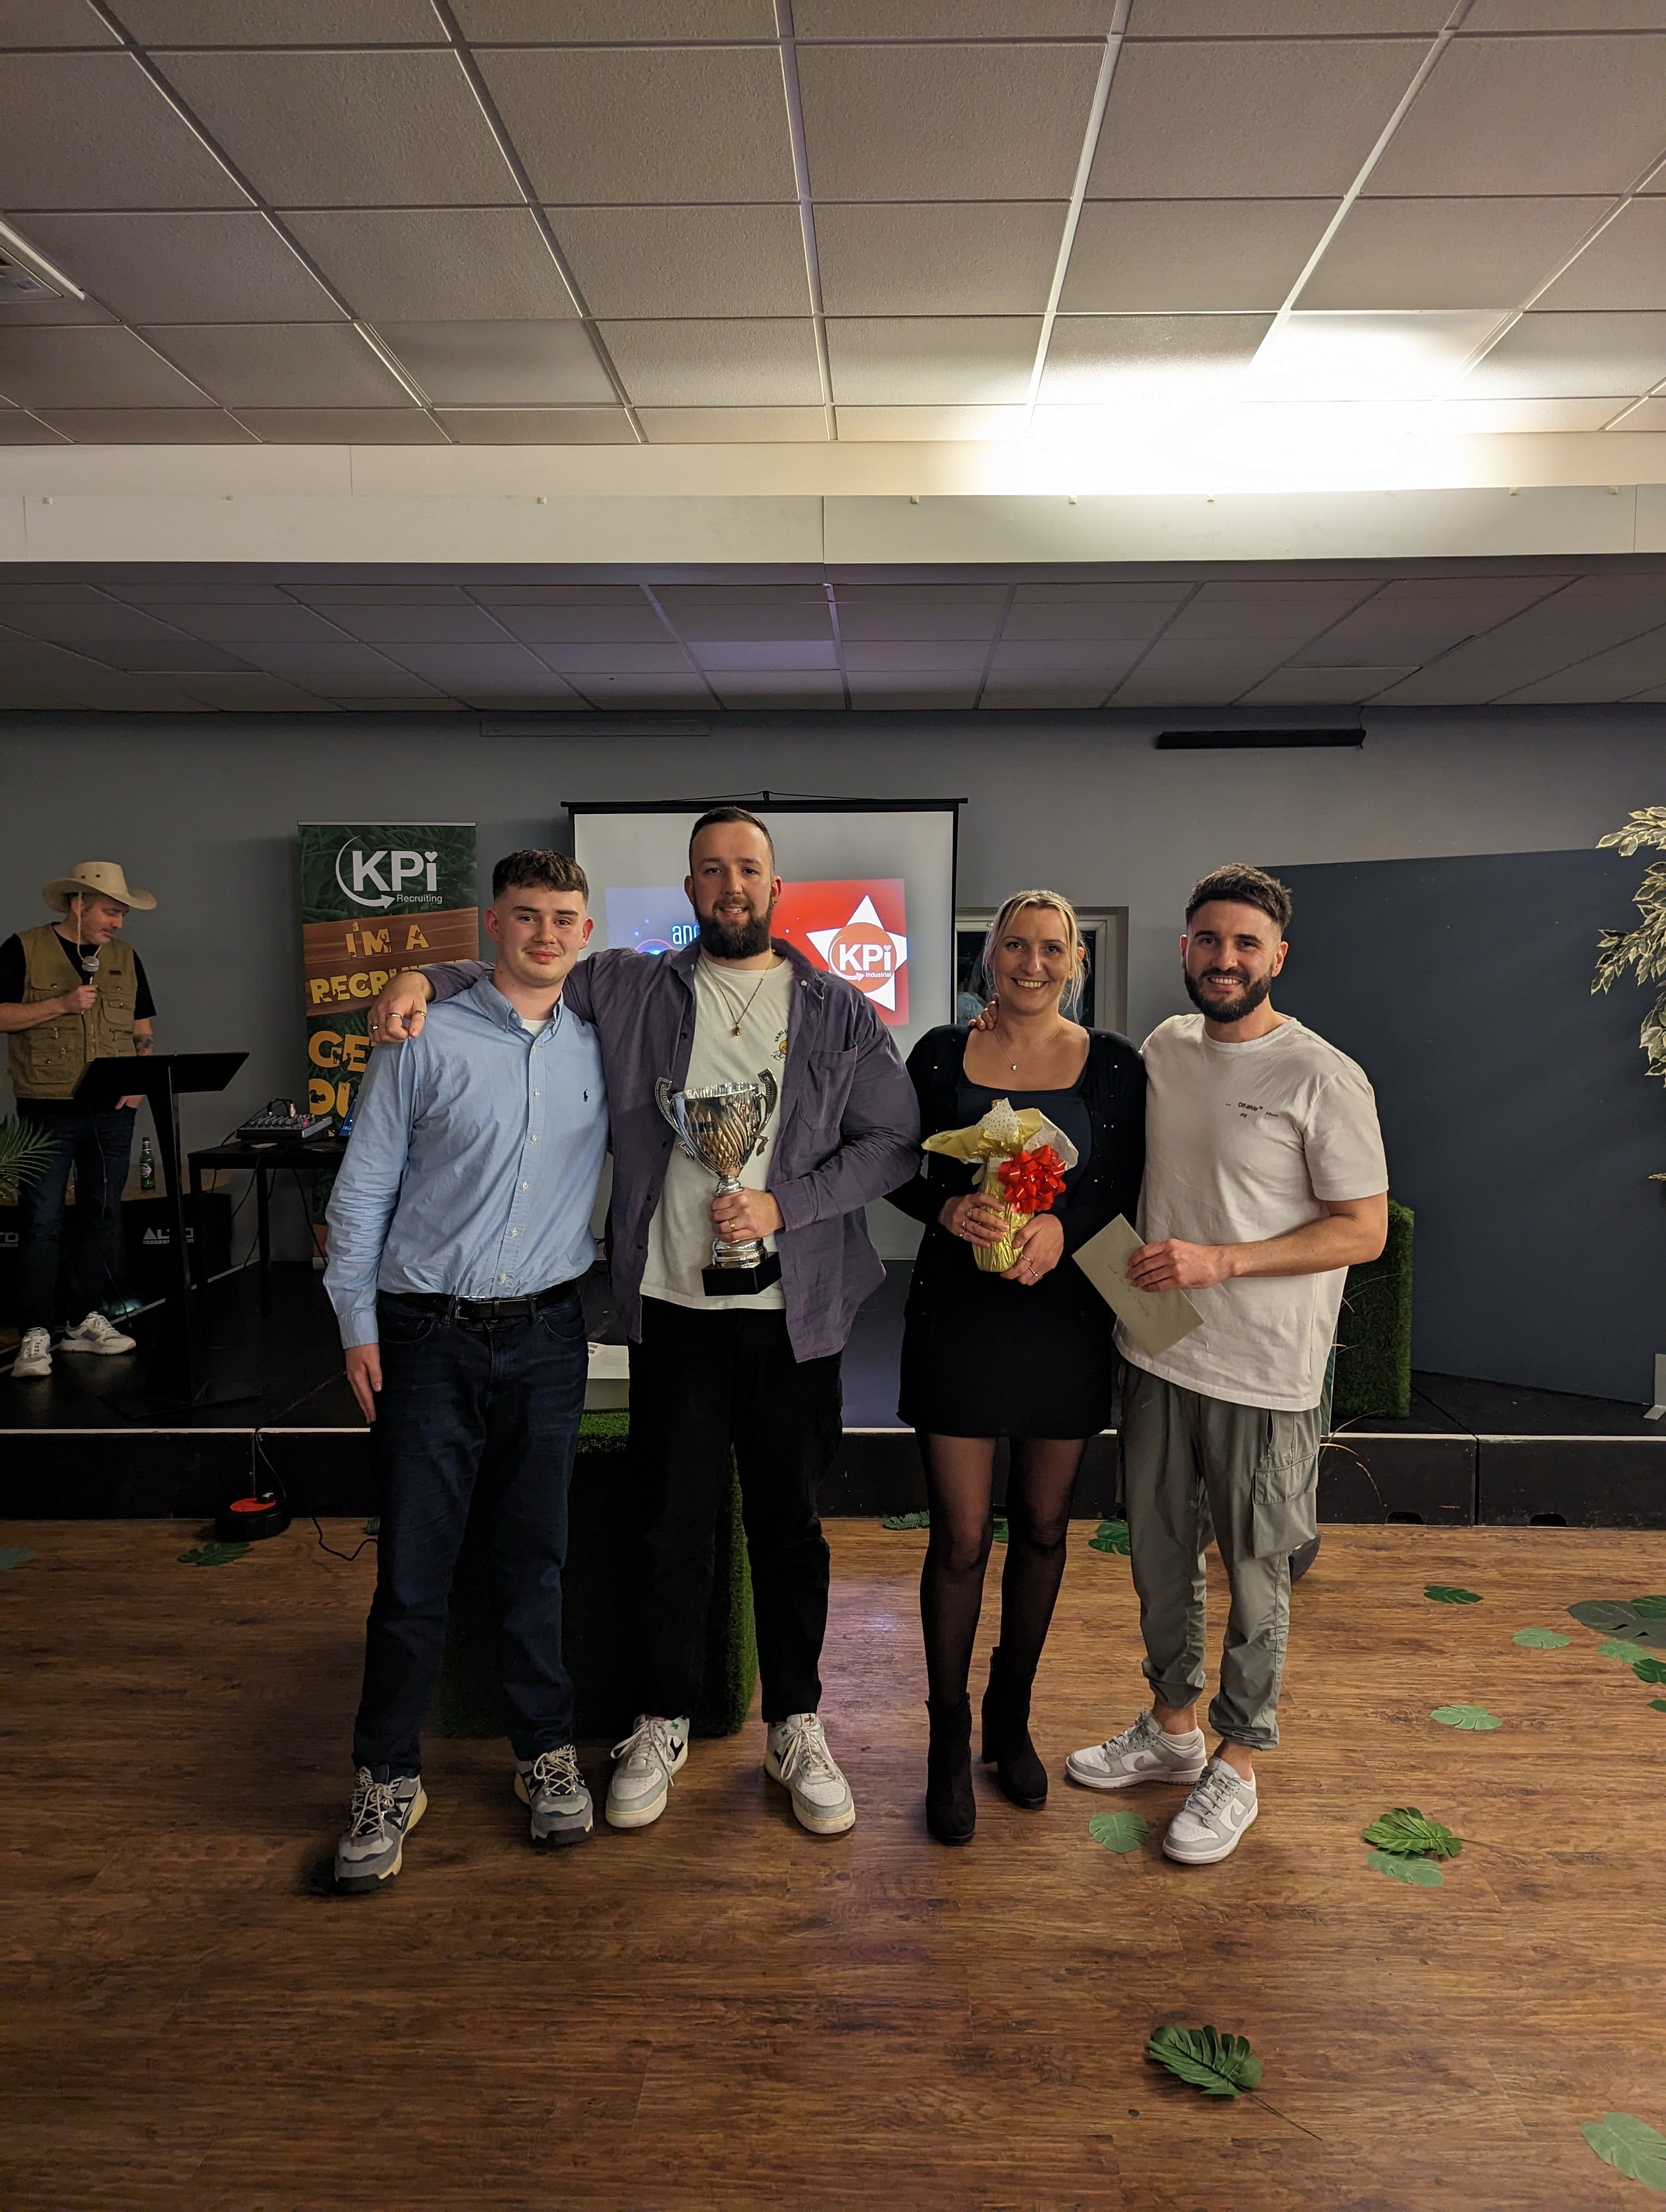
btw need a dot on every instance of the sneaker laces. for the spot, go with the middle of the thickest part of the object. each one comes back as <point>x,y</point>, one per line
<point>1218,1784</point>
<point>650,1737</point>
<point>1134,1737</point>
<point>370,1809</point>
<point>804,1752</point>
<point>556,1770</point>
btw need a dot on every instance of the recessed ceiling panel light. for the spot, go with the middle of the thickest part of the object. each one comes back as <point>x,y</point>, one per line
<point>1368,356</point>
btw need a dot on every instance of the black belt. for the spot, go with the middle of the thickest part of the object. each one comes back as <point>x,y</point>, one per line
<point>482,1308</point>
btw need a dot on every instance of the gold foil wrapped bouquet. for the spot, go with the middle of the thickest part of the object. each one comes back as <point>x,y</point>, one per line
<point>1022,1158</point>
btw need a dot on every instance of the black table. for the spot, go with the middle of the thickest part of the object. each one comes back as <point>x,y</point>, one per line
<point>309,1156</point>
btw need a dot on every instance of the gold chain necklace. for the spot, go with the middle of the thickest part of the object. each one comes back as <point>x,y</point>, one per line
<point>723,988</point>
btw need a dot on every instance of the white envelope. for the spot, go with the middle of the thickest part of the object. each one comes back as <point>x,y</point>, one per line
<point>1154,1319</point>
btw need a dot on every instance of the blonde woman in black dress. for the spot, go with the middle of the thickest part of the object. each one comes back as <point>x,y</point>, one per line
<point>1026,1355</point>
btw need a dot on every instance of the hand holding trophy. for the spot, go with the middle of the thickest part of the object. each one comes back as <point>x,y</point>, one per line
<point>720,1129</point>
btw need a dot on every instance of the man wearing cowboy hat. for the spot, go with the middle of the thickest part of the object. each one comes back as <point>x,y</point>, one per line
<point>70,993</point>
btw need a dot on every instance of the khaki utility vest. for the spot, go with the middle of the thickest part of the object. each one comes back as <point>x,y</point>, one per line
<point>48,1061</point>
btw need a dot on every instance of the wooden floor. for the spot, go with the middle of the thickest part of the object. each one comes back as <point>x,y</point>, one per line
<point>722,2011</point>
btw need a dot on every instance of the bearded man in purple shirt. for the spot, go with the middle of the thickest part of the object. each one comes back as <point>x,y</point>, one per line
<point>756,1375</point>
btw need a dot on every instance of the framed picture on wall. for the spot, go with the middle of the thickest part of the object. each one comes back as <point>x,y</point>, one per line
<point>1104,1004</point>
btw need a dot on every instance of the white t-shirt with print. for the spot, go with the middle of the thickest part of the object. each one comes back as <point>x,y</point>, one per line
<point>1241,1143</point>
<point>680,1233</point>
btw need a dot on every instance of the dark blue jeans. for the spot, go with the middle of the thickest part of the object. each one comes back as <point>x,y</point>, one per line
<point>496,1403</point>
<point>96,1146</point>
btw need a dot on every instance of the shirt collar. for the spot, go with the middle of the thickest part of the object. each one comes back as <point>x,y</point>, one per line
<point>493,1004</point>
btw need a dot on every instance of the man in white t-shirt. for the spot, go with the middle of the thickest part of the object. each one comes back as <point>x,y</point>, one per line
<point>1264,1182</point>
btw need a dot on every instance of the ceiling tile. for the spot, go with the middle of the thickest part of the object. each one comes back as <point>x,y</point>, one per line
<point>33,675</point>
<point>713,426</point>
<point>147,425</point>
<point>1637,665</point>
<point>945,122</point>
<point>342,426</point>
<point>933,425</point>
<point>537,426</point>
<point>748,362</point>
<point>1106,592</point>
<point>280,364</point>
<point>764,688</point>
<point>436,264</point>
<point>510,364</point>
<point>294,23</point>
<point>1262,612</point>
<point>613,21</point>
<point>1322,687</point>
<point>653,261</point>
<point>919,615</point>
<point>52,23</point>
<point>67,622</point>
<point>1283,117</point>
<point>884,695</point>
<point>652,691</point>
<point>1099,358</point>
<point>890,657</point>
<point>17,428</point>
<point>1567,15</point>
<point>347,129</point>
<point>582,657</point>
<point>405,593</point>
<point>1285,19</point>
<point>954,257</point>
<point>145,656</point>
<point>953,18</point>
<point>1018,692</point>
<point>1483,418</point>
<point>185,267</point>
<point>339,670</point>
<point>198,592</point>
<point>256,693</point>
<point>1143,256</point>
<point>491,593</point>
<point>1650,415</point>
<point>107,368</point>
<point>979,359</point>
<point>1553,356</point>
<point>43,309</point>
<point>461,623</point>
<point>1079,659</point>
<point>1049,625</point>
<point>1449,253</point>
<point>1203,675</point>
<point>1521,115</point>
<point>634,623</point>
<point>1584,617</point>
<point>91,131</point>
<point>1408,628</point>
<point>279,623</point>
<point>791,622</point>
<point>638,125</point>
<point>1626,267</point>
<point>774,654</point>
<point>455,667</point>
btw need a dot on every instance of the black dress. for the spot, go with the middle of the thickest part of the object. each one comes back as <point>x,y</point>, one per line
<point>982,1357</point>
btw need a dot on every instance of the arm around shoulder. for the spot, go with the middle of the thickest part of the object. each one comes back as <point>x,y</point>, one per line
<point>878,1134</point>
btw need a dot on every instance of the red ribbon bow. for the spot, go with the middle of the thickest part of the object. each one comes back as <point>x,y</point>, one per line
<point>1030,1181</point>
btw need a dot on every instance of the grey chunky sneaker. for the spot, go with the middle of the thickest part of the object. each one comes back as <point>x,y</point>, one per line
<point>382,1815</point>
<point>643,1766</point>
<point>94,1334</point>
<point>35,1356</point>
<point>796,1755</point>
<point>1144,1752</point>
<point>553,1791</point>
<point>1212,1821</point>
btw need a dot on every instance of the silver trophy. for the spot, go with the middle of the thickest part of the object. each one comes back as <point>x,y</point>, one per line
<point>721,1128</point>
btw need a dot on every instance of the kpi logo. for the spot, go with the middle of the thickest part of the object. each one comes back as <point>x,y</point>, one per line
<point>377,879</point>
<point>857,927</point>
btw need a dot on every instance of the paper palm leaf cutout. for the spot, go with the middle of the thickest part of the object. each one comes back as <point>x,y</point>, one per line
<point>1406,1833</point>
<point>1119,1831</point>
<point>1421,1874</point>
<point>1465,1717</point>
<point>212,1555</point>
<point>1615,1648</point>
<point>1449,1594</point>
<point>1541,1639</point>
<point>1219,2065</point>
<point>10,1557</point>
<point>1110,1536</point>
<point>906,1520</point>
<point>1630,2146</point>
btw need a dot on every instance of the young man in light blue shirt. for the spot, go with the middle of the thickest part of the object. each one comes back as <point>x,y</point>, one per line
<point>459,1230</point>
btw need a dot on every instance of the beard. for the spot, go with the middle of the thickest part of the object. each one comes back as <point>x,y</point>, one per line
<point>736,940</point>
<point>1228,1010</point>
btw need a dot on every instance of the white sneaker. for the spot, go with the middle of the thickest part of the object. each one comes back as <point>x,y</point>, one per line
<point>1144,1752</point>
<point>1214,1819</point>
<point>34,1355</point>
<point>796,1755</point>
<point>94,1334</point>
<point>642,1767</point>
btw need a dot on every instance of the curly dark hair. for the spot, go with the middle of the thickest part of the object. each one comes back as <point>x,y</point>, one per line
<point>1248,887</point>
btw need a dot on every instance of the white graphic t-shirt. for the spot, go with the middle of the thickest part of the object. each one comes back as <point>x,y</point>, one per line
<point>1241,1142</point>
<point>680,1235</point>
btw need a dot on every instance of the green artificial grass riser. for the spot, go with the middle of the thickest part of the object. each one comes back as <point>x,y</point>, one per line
<point>596,1618</point>
<point>1374,1332</point>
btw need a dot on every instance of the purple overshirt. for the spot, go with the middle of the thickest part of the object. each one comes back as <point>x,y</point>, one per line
<point>848,1125</point>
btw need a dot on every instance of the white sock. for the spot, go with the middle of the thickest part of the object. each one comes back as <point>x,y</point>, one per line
<point>1178,1735</point>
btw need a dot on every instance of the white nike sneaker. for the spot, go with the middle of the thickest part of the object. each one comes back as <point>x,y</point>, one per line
<point>1144,1752</point>
<point>94,1334</point>
<point>35,1356</point>
<point>643,1766</point>
<point>1212,1821</point>
<point>796,1755</point>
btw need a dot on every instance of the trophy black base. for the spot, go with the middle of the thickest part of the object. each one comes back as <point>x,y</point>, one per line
<point>742,1282</point>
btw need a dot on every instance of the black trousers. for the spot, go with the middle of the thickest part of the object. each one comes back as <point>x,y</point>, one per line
<point>702,1385</point>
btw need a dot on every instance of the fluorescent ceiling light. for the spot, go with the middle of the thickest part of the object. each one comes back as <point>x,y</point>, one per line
<point>1368,356</point>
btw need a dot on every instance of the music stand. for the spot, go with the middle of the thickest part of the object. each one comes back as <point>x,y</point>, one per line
<point>173,1381</point>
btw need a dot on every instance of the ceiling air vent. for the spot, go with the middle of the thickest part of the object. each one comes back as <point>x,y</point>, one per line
<point>17,283</point>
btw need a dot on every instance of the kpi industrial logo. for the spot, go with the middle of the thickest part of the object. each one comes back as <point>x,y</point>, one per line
<point>857,930</point>
<point>387,877</point>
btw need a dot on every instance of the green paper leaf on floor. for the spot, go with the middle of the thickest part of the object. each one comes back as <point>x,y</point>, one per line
<point>1658,1705</point>
<point>10,1557</point>
<point>1615,1649</point>
<point>1119,1831</point>
<point>1447,1593</point>
<point>1650,1671</point>
<point>1421,1874</point>
<point>1650,1608</point>
<point>1406,1833</point>
<point>1630,2146</point>
<point>1604,1613</point>
<point>1465,1717</point>
<point>1110,1536</point>
<point>1541,1639</point>
<point>1000,1528</point>
<point>212,1555</point>
<point>1219,2065</point>
<point>907,1520</point>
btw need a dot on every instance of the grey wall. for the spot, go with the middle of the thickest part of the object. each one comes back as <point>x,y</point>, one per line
<point>203,811</point>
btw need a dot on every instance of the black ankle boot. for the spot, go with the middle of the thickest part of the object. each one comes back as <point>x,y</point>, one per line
<point>1006,1745</point>
<point>950,1809</point>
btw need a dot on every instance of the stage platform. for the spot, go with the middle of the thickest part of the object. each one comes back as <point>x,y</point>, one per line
<point>1469,1452</point>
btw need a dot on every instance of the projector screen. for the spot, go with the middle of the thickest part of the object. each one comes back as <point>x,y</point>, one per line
<point>867,892</point>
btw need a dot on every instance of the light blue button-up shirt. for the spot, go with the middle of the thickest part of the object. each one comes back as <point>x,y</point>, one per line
<point>473,1167</point>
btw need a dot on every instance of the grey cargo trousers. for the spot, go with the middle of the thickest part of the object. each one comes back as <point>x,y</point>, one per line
<point>1193,1467</point>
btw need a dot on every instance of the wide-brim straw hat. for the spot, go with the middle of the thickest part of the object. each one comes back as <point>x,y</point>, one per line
<point>103,878</point>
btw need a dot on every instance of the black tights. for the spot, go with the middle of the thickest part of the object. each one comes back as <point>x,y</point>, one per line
<point>959,1480</point>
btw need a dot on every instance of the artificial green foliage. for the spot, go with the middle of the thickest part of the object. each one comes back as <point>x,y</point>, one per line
<point>212,1555</point>
<point>1449,1594</point>
<point>1650,1671</point>
<point>1635,1619</point>
<point>1640,952</point>
<point>1658,1705</point>
<point>373,1527</point>
<point>1616,1648</point>
<point>1419,1874</point>
<point>10,1557</point>
<point>1112,1536</point>
<point>1408,1834</point>
<point>907,1520</point>
<point>1119,1831</point>
<point>1630,2146</point>
<point>1465,1716</point>
<point>1608,1613</point>
<point>1541,1639</point>
<point>25,1150</point>
<point>1219,2065</point>
<point>1000,1528</point>
<point>1373,1370</point>
<point>1650,1608</point>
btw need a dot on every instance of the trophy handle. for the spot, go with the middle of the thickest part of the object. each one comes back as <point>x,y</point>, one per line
<point>771,1090</point>
<point>664,1092</point>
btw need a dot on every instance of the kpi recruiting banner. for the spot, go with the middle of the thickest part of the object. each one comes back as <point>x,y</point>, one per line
<point>374,899</point>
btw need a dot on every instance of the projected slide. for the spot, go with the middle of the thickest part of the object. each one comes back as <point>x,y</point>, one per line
<point>855,928</point>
